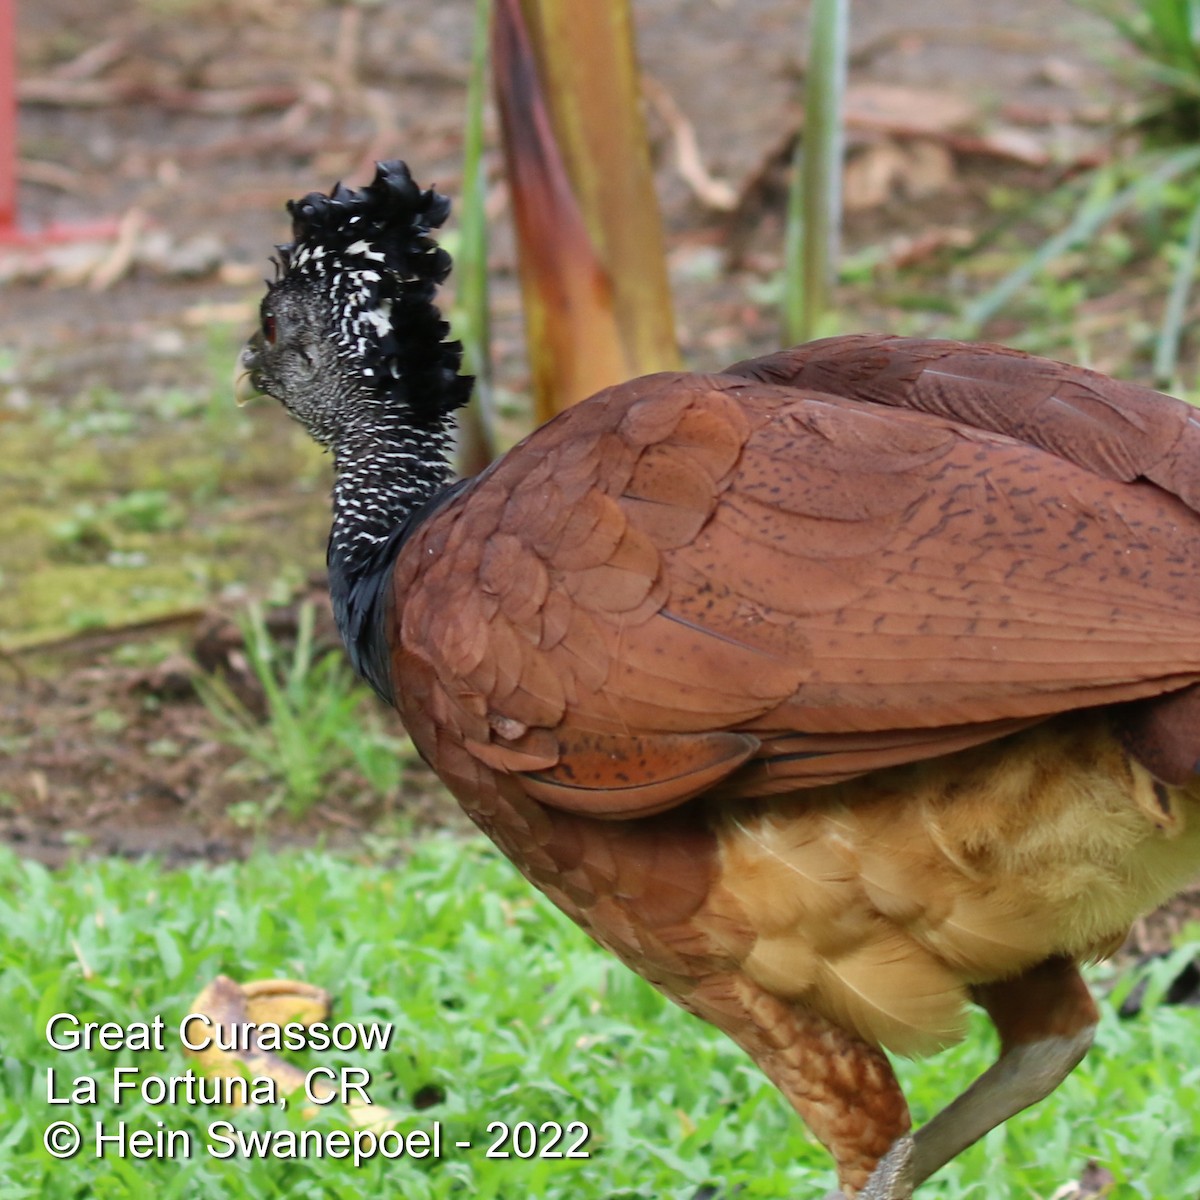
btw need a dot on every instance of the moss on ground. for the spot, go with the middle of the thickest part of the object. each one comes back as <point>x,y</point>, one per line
<point>120,508</point>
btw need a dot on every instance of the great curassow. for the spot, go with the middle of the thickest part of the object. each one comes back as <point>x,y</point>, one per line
<point>830,693</point>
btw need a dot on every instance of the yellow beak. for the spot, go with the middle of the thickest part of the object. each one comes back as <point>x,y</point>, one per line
<point>244,387</point>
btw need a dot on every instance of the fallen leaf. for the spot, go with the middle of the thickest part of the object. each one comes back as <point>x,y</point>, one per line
<point>1095,1181</point>
<point>228,1005</point>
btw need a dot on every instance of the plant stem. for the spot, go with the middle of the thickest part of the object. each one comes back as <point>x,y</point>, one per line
<point>815,198</point>
<point>476,426</point>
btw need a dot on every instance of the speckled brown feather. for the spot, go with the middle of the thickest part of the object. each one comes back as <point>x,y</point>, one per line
<point>651,649</point>
<point>1117,430</point>
<point>848,570</point>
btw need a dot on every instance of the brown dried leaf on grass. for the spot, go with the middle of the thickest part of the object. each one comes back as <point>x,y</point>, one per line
<point>886,168</point>
<point>55,92</point>
<point>1094,1182</point>
<point>904,141</point>
<point>714,193</point>
<point>104,254</point>
<point>911,111</point>
<point>235,1014</point>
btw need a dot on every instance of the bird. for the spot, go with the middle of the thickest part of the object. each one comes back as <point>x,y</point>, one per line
<point>834,693</point>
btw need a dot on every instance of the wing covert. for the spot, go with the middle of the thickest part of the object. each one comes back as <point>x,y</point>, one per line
<point>732,580</point>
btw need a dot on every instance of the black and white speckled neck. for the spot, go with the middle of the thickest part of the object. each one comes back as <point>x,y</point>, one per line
<point>388,477</point>
<point>355,348</point>
<point>384,475</point>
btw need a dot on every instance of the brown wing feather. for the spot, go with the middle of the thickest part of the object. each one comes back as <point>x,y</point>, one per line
<point>1116,429</point>
<point>695,579</point>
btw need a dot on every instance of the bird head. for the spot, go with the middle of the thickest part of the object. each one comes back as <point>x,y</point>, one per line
<point>348,328</point>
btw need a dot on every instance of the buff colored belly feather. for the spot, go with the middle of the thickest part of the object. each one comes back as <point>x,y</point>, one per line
<point>880,901</point>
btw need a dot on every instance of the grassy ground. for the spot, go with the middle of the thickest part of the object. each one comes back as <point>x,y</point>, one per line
<point>502,1011</point>
<point>126,504</point>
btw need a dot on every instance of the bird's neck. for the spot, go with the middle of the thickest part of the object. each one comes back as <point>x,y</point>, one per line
<point>386,472</point>
<point>388,477</point>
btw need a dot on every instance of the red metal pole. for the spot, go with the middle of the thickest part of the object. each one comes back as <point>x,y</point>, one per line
<point>11,235</point>
<point>8,118</point>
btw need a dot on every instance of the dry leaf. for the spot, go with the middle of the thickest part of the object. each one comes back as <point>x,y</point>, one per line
<point>907,110</point>
<point>1094,1182</point>
<point>228,1004</point>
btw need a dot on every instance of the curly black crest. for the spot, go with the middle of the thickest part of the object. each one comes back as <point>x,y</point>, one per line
<point>390,217</point>
<point>371,249</point>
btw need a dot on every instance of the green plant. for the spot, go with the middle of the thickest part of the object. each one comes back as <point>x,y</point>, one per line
<point>469,316</point>
<point>502,1010</point>
<point>320,722</point>
<point>811,250</point>
<point>1166,67</point>
<point>1153,188</point>
<point>150,510</point>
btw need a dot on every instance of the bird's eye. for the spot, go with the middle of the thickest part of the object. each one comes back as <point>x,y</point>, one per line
<point>268,325</point>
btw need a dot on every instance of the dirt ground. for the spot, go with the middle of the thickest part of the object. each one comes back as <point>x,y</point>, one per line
<point>184,128</point>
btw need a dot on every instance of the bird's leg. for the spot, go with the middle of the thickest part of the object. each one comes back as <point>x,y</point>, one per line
<point>1046,1019</point>
<point>843,1088</point>
<point>892,1178</point>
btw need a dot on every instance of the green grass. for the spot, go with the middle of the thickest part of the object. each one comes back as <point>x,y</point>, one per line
<point>1164,36</point>
<point>502,1011</point>
<point>1143,201</point>
<point>320,722</point>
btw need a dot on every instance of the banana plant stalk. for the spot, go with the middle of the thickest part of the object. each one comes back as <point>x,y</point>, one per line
<point>592,258</point>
